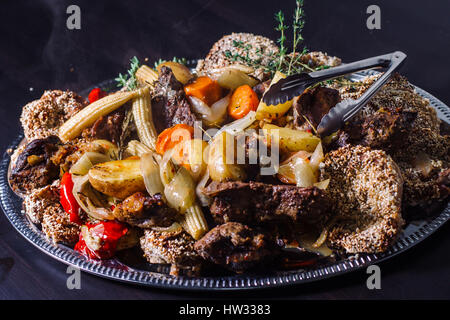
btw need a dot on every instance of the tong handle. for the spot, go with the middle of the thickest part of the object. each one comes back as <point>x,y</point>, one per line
<point>396,61</point>
<point>369,63</point>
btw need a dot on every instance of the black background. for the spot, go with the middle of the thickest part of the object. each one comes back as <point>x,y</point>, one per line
<point>37,51</point>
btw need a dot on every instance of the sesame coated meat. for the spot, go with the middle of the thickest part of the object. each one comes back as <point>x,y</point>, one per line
<point>366,192</point>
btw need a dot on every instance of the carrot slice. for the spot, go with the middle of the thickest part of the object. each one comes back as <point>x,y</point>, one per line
<point>243,100</point>
<point>170,137</point>
<point>205,89</point>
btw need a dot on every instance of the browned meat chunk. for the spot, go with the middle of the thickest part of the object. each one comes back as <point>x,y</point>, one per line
<point>235,247</point>
<point>109,127</point>
<point>169,105</point>
<point>383,130</point>
<point>444,183</point>
<point>366,191</point>
<point>39,200</point>
<point>144,211</point>
<point>175,248</point>
<point>222,52</point>
<point>313,104</point>
<point>402,123</point>
<point>57,226</point>
<point>34,167</point>
<point>260,88</point>
<point>255,202</point>
<point>42,118</point>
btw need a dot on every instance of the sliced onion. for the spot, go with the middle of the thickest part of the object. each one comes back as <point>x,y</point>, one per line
<point>317,157</point>
<point>82,186</point>
<point>166,167</point>
<point>218,110</point>
<point>423,163</point>
<point>174,227</point>
<point>321,240</point>
<point>205,201</point>
<point>238,125</point>
<point>304,174</point>
<point>87,161</point>
<point>286,169</point>
<point>150,173</point>
<point>199,106</point>
<point>322,184</point>
<point>180,192</point>
<point>286,173</point>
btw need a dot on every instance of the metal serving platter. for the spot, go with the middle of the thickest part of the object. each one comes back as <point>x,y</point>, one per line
<point>153,275</point>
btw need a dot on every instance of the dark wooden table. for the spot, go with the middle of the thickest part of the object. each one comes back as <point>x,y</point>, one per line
<point>38,52</point>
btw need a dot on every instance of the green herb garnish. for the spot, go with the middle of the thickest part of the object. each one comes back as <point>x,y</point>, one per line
<point>129,80</point>
<point>283,61</point>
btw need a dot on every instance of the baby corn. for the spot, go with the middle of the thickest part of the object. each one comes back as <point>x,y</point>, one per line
<point>142,113</point>
<point>194,222</point>
<point>136,148</point>
<point>145,74</point>
<point>73,127</point>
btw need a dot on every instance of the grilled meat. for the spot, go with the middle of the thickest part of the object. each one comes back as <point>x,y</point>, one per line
<point>175,248</point>
<point>144,211</point>
<point>382,130</point>
<point>256,202</point>
<point>235,246</point>
<point>403,124</point>
<point>218,57</point>
<point>40,199</point>
<point>169,104</point>
<point>57,227</point>
<point>310,107</point>
<point>34,167</point>
<point>261,87</point>
<point>43,117</point>
<point>109,127</point>
<point>366,191</point>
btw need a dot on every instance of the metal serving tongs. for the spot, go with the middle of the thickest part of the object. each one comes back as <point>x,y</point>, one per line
<point>349,108</point>
<point>293,86</point>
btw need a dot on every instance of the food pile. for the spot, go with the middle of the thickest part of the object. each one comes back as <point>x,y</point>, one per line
<point>148,166</point>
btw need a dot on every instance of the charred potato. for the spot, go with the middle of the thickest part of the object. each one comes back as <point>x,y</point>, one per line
<point>119,178</point>
<point>181,72</point>
<point>290,140</point>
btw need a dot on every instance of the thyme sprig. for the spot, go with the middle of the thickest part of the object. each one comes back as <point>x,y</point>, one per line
<point>129,79</point>
<point>283,61</point>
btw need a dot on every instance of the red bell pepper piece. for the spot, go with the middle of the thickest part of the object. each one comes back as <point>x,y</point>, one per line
<point>96,94</point>
<point>68,201</point>
<point>99,241</point>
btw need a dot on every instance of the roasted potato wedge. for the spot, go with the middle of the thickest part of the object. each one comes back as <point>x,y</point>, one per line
<point>233,78</point>
<point>291,140</point>
<point>273,112</point>
<point>181,72</point>
<point>119,178</point>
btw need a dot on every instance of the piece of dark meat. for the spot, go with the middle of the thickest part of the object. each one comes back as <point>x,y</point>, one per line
<point>109,127</point>
<point>169,105</point>
<point>261,87</point>
<point>256,202</point>
<point>34,167</point>
<point>235,246</point>
<point>443,182</point>
<point>313,104</point>
<point>381,130</point>
<point>144,211</point>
